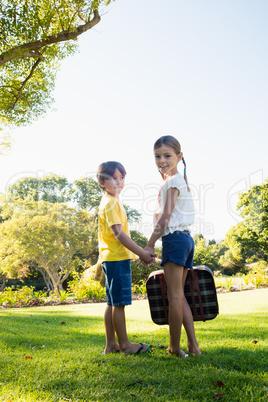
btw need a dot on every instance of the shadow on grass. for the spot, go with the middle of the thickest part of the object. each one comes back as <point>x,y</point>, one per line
<point>51,329</point>
<point>157,376</point>
<point>72,366</point>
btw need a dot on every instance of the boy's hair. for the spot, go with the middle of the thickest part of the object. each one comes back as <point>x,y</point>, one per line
<point>106,171</point>
<point>173,143</point>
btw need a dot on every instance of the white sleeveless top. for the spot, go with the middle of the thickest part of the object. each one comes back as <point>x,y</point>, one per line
<point>183,214</point>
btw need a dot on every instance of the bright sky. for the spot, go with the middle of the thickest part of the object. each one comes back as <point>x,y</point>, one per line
<point>193,69</point>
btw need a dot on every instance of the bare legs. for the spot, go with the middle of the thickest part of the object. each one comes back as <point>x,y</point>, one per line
<point>115,323</point>
<point>111,344</point>
<point>179,310</point>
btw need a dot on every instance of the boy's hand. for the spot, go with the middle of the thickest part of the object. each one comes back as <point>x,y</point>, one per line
<point>151,250</point>
<point>147,256</point>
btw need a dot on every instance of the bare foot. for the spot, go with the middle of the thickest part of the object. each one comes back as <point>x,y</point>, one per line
<point>113,348</point>
<point>194,351</point>
<point>111,351</point>
<point>179,353</point>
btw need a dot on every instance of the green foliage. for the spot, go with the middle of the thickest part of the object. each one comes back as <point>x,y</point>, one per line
<point>50,188</point>
<point>231,265</point>
<point>220,281</point>
<point>249,237</point>
<point>138,238</point>
<point>26,296</point>
<point>86,288</point>
<point>257,276</point>
<point>86,193</point>
<point>139,288</point>
<point>83,193</point>
<point>35,37</point>
<point>63,295</point>
<point>132,214</point>
<point>158,252</point>
<point>206,255</point>
<point>48,234</point>
<point>40,231</point>
<point>141,272</point>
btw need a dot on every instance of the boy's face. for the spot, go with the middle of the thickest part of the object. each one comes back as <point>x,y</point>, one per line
<point>115,184</point>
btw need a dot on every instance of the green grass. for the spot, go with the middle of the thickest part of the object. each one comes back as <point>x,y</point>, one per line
<point>67,363</point>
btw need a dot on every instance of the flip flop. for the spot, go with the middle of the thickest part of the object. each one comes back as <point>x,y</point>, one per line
<point>141,347</point>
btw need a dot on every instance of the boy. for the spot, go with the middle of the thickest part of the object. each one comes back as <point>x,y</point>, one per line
<point>116,250</point>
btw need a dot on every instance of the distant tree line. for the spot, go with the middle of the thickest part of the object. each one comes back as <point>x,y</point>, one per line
<point>246,242</point>
<point>48,231</point>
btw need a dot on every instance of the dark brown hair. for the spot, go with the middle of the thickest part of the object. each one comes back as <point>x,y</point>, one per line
<point>106,171</point>
<point>173,143</point>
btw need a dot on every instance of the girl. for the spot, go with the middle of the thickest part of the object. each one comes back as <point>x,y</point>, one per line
<point>172,220</point>
<point>116,250</point>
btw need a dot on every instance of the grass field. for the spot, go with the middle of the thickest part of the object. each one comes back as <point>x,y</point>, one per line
<point>55,354</point>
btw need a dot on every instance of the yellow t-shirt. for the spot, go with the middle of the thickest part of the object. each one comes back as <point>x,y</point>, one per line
<point>112,212</point>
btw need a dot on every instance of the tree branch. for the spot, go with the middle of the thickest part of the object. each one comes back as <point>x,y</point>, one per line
<point>17,97</point>
<point>31,49</point>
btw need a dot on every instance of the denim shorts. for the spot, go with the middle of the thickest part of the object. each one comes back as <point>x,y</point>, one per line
<point>178,247</point>
<point>118,282</point>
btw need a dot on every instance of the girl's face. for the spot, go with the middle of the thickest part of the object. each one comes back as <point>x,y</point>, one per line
<point>166,160</point>
<point>115,184</point>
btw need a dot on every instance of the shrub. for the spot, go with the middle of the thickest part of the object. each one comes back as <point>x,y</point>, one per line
<point>220,281</point>
<point>63,295</point>
<point>141,272</point>
<point>86,288</point>
<point>257,276</point>
<point>139,288</point>
<point>24,296</point>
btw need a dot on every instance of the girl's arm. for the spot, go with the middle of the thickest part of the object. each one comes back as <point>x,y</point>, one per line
<point>127,242</point>
<point>172,195</point>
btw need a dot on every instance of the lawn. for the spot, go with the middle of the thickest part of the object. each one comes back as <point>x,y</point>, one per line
<point>55,354</point>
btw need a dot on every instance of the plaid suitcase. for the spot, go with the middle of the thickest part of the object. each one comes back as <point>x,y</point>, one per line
<point>199,290</point>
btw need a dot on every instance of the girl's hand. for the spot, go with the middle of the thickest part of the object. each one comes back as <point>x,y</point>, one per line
<point>147,256</point>
<point>151,251</point>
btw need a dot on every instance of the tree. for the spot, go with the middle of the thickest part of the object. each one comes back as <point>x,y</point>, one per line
<point>34,37</point>
<point>25,214</point>
<point>50,188</point>
<point>202,254</point>
<point>208,255</point>
<point>86,193</point>
<point>231,264</point>
<point>139,238</point>
<point>83,194</point>
<point>132,214</point>
<point>250,237</point>
<point>49,235</point>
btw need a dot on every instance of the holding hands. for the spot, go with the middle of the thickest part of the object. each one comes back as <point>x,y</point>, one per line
<point>147,255</point>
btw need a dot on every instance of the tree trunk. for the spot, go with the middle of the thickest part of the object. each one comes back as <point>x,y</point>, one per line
<point>46,278</point>
<point>4,279</point>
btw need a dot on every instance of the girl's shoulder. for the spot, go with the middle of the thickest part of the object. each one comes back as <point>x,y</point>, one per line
<point>174,181</point>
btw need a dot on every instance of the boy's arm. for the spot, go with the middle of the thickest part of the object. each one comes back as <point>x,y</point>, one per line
<point>127,242</point>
